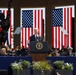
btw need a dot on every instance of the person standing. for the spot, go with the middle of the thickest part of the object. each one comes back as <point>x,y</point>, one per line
<point>36,36</point>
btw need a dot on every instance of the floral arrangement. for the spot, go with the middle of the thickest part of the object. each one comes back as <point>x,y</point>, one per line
<point>62,65</point>
<point>68,66</point>
<point>25,64</point>
<point>42,65</point>
<point>19,66</point>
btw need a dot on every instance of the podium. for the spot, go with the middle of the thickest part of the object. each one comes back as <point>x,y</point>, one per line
<point>38,50</point>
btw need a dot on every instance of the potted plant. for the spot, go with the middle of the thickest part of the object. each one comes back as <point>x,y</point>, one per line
<point>63,68</point>
<point>42,68</point>
<point>21,67</point>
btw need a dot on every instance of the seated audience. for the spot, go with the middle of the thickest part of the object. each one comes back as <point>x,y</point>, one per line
<point>50,52</point>
<point>22,52</point>
<point>3,52</point>
<point>18,53</point>
<point>70,51</point>
<point>3,45</point>
<point>9,49</point>
<point>17,48</point>
<point>13,53</point>
<point>56,52</point>
<point>63,51</point>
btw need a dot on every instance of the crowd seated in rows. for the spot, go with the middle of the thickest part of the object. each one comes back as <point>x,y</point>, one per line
<point>8,51</point>
<point>17,51</point>
<point>63,52</point>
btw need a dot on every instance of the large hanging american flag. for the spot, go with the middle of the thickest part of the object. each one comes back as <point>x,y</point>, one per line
<point>62,26</point>
<point>10,40</point>
<point>31,18</point>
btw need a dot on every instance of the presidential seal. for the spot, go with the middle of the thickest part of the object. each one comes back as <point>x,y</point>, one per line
<point>39,45</point>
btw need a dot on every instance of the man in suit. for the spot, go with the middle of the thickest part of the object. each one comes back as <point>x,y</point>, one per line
<point>36,36</point>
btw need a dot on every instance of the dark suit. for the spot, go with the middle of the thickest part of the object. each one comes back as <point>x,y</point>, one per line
<point>33,38</point>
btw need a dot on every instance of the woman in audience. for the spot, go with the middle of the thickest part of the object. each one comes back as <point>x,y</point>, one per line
<point>56,52</point>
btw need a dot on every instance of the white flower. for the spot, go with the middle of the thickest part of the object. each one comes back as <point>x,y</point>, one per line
<point>67,64</point>
<point>14,64</point>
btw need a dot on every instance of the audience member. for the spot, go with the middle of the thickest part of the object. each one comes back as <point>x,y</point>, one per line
<point>3,52</point>
<point>13,53</point>
<point>3,45</point>
<point>18,52</point>
<point>9,49</point>
<point>56,52</point>
<point>50,52</point>
<point>17,48</point>
<point>70,52</point>
<point>63,51</point>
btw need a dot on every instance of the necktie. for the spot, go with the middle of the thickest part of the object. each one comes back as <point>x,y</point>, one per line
<point>36,38</point>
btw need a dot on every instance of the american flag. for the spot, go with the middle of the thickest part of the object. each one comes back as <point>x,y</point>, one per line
<point>62,26</point>
<point>31,18</point>
<point>10,40</point>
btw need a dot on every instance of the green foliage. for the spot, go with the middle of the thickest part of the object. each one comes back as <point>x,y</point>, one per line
<point>68,66</point>
<point>59,64</point>
<point>22,64</point>
<point>42,66</point>
<point>25,64</point>
<point>17,66</point>
<point>62,65</point>
<point>36,65</point>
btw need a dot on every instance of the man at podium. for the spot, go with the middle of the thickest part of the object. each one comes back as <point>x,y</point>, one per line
<point>36,36</point>
<point>38,47</point>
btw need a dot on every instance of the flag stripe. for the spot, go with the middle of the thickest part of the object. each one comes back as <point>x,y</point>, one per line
<point>38,20</point>
<point>34,19</point>
<point>58,37</point>
<point>10,31</point>
<point>27,33</point>
<point>70,27</point>
<point>52,36</point>
<point>61,34</point>
<point>42,23</point>
<point>23,30</point>
<point>21,37</point>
